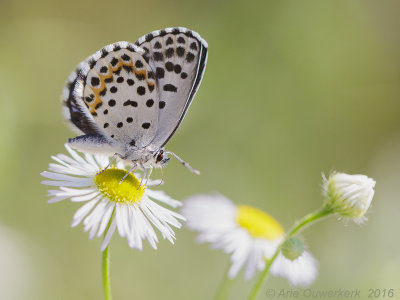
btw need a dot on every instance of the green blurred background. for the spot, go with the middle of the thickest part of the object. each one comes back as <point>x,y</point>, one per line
<point>292,89</point>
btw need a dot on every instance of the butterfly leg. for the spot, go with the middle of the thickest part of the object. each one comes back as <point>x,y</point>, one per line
<point>197,172</point>
<point>112,159</point>
<point>162,176</point>
<point>144,174</point>
<point>148,175</point>
<point>130,170</point>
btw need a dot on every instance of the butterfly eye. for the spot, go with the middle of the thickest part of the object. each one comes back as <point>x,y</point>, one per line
<point>160,156</point>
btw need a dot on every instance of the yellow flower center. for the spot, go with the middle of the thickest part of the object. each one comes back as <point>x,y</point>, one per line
<point>258,223</point>
<point>128,191</point>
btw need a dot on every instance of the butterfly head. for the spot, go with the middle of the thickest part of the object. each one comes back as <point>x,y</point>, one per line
<point>160,158</point>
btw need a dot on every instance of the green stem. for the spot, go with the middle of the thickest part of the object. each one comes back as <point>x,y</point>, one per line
<point>106,264</point>
<point>296,228</point>
<point>256,289</point>
<point>106,274</point>
<point>307,220</point>
<point>224,287</point>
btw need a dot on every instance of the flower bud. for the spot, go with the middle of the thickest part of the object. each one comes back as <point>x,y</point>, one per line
<point>292,248</point>
<point>349,195</point>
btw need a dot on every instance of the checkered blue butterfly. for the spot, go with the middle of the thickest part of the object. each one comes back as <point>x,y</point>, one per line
<point>129,99</point>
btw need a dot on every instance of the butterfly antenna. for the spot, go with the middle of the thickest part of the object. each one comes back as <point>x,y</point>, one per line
<point>197,172</point>
<point>130,170</point>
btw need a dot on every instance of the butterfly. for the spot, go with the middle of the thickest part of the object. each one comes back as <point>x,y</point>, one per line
<point>128,99</point>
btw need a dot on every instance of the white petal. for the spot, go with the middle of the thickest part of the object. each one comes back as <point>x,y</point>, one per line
<point>93,220</point>
<point>102,161</point>
<point>135,237</point>
<point>163,197</point>
<point>74,154</point>
<point>89,158</point>
<point>108,236</point>
<point>104,222</point>
<point>147,230</point>
<point>57,176</point>
<point>83,198</point>
<point>120,224</point>
<point>300,272</point>
<point>82,183</point>
<point>57,199</point>
<point>83,211</point>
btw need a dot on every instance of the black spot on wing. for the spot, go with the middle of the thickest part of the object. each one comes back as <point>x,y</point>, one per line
<point>128,69</point>
<point>114,61</point>
<point>131,103</point>
<point>140,76</point>
<point>104,53</point>
<point>138,64</point>
<point>103,92</point>
<point>157,45</point>
<point>149,37</point>
<point>170,88</point>
<point>92,63</point>
<point>180,51</point>
<point>190,57</point>
<point>160,73</point>
<point>95,81</point>
<point>117,71</point>
<point>169,52</point>
<point>169,66</point>
<point>177,69</point>
<point>158,56</point>
<point>193,46</point>
<point>141,90</point>
<point>150,102</point>
<point>130,48</point>
<point>125,57</point>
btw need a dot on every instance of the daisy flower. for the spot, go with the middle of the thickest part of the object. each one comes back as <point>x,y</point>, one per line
<point>349,195</point>
<point>248,234</point>
<point>129,207</point>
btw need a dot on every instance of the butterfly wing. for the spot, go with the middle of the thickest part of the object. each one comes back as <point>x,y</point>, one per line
<point>74,110</point>
<point>115,92</point>
<point>178,57</point>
